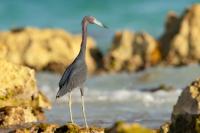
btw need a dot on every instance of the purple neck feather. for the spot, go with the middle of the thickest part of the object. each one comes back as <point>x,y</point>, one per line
<point>84,38</point>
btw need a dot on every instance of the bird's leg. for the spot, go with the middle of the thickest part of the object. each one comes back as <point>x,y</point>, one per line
<point>83,107</point>
<point>70,107</point>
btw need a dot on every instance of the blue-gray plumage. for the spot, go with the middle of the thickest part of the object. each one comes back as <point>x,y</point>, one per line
<point>76,73</point>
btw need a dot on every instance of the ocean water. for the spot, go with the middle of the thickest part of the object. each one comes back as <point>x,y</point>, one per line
<point>109,97</point>
<point>137,15</point>
<point>113,97</point>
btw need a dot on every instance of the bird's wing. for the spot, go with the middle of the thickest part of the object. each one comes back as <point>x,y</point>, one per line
<point>65,76</point>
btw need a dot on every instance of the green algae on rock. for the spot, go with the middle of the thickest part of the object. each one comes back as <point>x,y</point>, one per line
<point>121,127</point>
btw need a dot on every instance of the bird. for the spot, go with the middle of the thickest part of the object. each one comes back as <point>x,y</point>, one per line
<point>75,74</point>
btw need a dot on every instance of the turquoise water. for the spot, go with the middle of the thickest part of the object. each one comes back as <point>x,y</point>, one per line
<point>137,15</point>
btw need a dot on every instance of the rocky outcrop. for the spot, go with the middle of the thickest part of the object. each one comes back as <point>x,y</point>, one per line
<point>187,110</point>
<point>51,49</point>
<point>54,128</point>
<point>132,51</point>
<point>121,127</point>
<point>185,117</point>
<point>180,43</point>
<point>19,94</point>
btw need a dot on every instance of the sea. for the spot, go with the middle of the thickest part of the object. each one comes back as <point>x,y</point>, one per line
<point>108,97</point>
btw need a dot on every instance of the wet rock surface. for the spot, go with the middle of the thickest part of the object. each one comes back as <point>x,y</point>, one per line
<point>41,49</point>
<point>185,117</point>
<point>187,110</point>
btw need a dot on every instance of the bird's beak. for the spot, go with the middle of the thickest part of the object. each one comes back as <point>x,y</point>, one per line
<point>100,24</point>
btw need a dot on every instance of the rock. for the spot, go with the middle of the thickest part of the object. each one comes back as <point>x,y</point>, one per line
<point>51,49</point>
<point>162,87</point>
<point>16,115</point>
<point>54,128</point>
<point>37,128</point>
<point>186,112</point>
<point>165,128</point>
<point>180,41</point>
<point>72,128</point>
<point>18,91</point>
<point>121,127</point>
<point>132,51</point>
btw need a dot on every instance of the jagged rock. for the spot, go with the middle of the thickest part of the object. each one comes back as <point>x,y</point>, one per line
<point>51,49</point>
<point>180,43</point>
<point>54,128</point>
<point>18,89</point>
<point>186,112</point>
<point>121,127</point>
<point>132,51</point>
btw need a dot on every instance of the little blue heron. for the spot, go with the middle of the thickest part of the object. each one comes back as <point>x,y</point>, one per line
<point>76,73</point>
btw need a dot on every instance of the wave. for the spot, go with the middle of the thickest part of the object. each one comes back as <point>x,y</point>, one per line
<point>126,87</point>
<point>124,95</point>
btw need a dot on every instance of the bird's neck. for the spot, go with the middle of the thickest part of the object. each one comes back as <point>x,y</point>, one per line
<point>84,40</point>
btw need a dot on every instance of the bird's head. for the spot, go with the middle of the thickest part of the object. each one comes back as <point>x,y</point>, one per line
<point>93,20</point>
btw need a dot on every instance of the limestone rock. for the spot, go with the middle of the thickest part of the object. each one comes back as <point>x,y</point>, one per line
<point>186,112</point>
<point>180,43</point>
<point>132,51</point>
<point>18,89</point>
<point>121,127</point>
<point>54,128</point>
<point>16,116</point>
<point>51,49</point>
<point>36,128</point>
